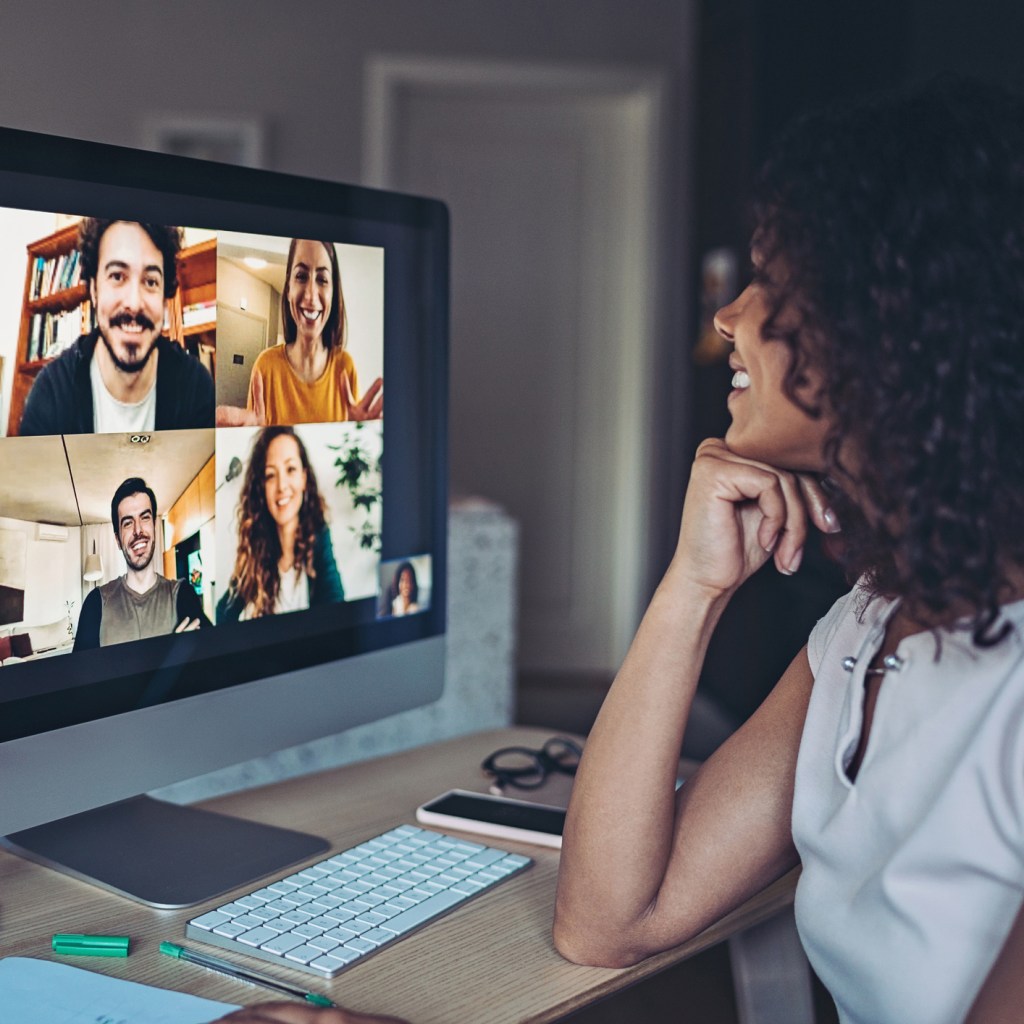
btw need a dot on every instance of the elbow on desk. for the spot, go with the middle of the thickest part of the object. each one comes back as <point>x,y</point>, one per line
<point>595,945</point>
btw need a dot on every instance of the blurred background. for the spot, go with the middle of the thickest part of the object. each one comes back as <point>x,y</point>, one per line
<point>596,156</point>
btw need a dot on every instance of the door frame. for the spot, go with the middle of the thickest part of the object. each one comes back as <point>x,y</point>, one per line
<point>643,97</point>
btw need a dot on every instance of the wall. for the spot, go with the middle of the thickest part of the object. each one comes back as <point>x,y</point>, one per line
<point>300,70</point>
<point>53,575</point>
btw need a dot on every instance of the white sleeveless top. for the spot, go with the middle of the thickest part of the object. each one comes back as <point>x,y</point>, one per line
<point>914,874</point>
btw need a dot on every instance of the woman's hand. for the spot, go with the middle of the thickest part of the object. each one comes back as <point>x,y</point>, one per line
<point>255,415</point>
<point>296,1013</point>
<point>370,406</point>
<point>738,514</point>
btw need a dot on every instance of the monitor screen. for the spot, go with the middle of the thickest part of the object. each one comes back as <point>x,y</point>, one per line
<point>214,541</point>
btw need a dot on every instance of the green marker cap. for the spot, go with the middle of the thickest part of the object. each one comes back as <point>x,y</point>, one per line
<point>90,945</point>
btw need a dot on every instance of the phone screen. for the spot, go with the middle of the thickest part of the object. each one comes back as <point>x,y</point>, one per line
<point>534,818</point>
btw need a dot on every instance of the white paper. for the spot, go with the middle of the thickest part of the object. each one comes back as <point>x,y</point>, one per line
<point>44,992</point>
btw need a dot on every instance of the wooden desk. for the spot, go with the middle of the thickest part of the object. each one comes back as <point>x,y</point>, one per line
<point>492,960</point>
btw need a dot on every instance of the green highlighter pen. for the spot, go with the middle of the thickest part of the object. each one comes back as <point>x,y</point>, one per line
<point>214,963</point>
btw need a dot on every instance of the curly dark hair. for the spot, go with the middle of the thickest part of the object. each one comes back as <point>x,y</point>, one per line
<point>166,238</point>
<point>255,578</point>
<point>894,231</point>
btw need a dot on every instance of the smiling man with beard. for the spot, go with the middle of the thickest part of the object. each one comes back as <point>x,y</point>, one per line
<point>124,375</point>
<point>141,603</point>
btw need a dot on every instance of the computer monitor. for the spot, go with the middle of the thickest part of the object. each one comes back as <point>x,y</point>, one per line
<point>288,526</point>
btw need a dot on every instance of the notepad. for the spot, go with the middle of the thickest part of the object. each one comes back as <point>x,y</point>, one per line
<point>44,992</point>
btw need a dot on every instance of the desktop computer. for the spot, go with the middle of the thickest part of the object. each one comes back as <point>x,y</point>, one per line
<point>214,542</point>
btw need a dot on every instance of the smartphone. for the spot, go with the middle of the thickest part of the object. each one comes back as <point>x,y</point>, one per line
<point>497,816</point>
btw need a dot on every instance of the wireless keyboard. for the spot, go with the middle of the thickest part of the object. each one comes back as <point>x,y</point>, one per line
<point>330,915</point>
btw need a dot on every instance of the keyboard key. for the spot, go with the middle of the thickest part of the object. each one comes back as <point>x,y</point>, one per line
<point>258,936</point>
<point>308,930</point>
<point>211,920</point>
<point>264,913</point>
<point>328,902</point>
<point>484,857</point>
<point>297,917</point>
<point>468,886</point>
<point>304,954</point>
<point>230,930</point>
<point>280,906</point>
<point>371,917</point>
<point>280,944</point>
<point>368,899</point>
<point>248,920</point>
<point>340,915</point>
<point>344,954</point>
<point>361,945</point>
<point>277,926</point>
<point>423,912</point>
<point>250,902</point>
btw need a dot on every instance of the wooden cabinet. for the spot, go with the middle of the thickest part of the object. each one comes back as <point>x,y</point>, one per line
<point>54,315</point>
<point>193,310</point>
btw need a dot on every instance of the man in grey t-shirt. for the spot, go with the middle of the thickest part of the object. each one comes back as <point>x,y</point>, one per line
<point>141,603</point>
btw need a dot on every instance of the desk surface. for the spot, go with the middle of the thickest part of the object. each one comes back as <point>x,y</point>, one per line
<point>492,960</point>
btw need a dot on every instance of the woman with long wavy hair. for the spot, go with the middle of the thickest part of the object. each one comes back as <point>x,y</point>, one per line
<point>285,560</point>
<point>878,395</point>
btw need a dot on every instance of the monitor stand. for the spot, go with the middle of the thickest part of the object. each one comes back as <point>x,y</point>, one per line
<point>164,855</point>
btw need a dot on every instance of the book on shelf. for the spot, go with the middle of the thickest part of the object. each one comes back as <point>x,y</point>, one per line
<point>199,313</point>
<point>56,274</point>
<point>51,333</point>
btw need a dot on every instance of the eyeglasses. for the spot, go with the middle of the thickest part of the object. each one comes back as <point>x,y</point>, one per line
<point>525,768</point>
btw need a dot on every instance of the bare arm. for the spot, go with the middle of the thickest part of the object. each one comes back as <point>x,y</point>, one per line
<point>643,869</point>
<point>1002,995</point>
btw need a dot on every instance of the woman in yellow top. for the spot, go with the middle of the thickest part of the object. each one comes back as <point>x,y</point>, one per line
<point>311,378</point>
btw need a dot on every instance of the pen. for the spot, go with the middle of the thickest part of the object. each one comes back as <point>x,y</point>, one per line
<point>214,963</point>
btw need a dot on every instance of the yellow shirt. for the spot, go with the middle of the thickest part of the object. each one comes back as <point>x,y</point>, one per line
<point>288,399</point>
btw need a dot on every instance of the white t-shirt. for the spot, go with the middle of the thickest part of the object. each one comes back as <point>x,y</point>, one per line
<point>914,874</point>
<point>109,416</point>
<point>292,595</point>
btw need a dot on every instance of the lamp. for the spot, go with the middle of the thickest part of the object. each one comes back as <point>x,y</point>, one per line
<point>93,566</point>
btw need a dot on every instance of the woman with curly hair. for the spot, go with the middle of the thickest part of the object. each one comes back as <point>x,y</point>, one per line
<point>285,559</point>
<point>878,395</point>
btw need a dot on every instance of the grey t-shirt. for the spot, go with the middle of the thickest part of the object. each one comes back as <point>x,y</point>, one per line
<point>131,616</point>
